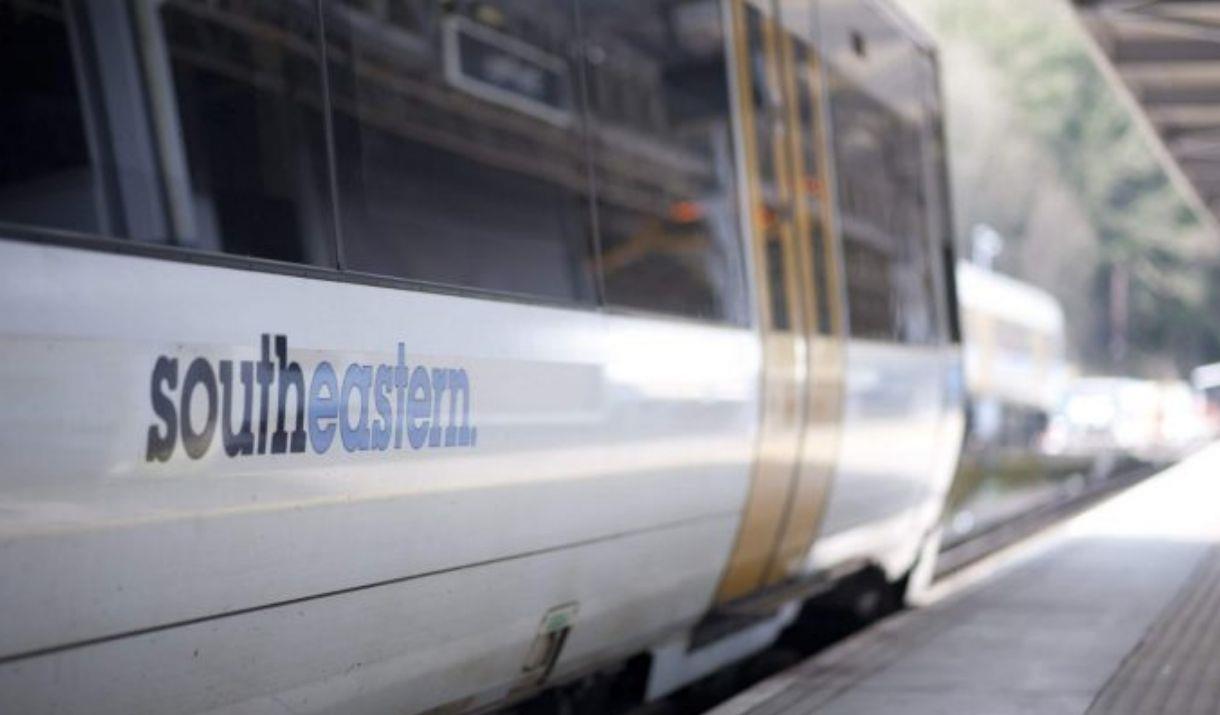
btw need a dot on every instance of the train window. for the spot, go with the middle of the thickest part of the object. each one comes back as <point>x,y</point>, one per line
<point>49,174</point>
<point>459,144</point>
<point>659,109</point>
<point>185,122</point>
<point>249,175</point>
<point>884,217</point>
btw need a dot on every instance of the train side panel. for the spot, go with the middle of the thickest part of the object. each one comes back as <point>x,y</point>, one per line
<point>457,638</point>
<point>587,431</point>
<point>888,461</point>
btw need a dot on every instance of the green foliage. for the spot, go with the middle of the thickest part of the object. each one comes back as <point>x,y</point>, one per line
<point>1042,66</point>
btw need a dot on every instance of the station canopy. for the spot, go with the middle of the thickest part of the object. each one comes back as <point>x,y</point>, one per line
<point>1167,52</point>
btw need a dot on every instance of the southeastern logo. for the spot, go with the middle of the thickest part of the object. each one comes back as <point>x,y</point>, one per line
<point>373,407</point>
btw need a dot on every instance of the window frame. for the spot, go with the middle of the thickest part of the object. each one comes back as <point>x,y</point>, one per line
<point>101,243</point>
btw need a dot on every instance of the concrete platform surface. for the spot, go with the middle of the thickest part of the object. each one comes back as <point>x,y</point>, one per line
<point>1115,611</point>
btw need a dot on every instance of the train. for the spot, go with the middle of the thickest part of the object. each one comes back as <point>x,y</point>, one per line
<point>419,356</point>
<point>1017,375</point>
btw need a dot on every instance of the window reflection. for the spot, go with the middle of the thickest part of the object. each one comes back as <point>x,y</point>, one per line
<point>469,139</point>
<point>248,97</point>
<point>52,172</point>
<point>663,157</point>
<point>459,145</point>
<point>882,198</point>
<point>191,122</point>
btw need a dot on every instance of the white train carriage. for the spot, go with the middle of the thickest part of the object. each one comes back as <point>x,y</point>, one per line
<point>409,356</point>
<point>1014,359</point>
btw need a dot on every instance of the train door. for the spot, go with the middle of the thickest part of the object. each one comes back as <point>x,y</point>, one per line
<point>820,262</point>
<point>782,180</point>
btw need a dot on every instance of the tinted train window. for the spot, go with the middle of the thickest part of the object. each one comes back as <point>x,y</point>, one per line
<point>663,157</point>
<point>188,122</point>
<point>460,146</point>
<point>249,175</point>
<point>49,172</point>
<point>884,218</point>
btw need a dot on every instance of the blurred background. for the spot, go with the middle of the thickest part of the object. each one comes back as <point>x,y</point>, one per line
<point>1089,276</point>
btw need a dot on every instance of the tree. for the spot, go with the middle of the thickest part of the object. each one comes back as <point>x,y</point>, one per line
<point>1121,247</point>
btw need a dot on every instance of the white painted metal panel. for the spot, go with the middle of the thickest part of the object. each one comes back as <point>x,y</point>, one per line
<point>458,637</point>
<point>890,467</point>
<point>590,426</point>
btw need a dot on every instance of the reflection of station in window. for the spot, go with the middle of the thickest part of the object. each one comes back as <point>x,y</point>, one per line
<point>658,104</point>
<point>650,132</point>
<point>492,88</point>
<point>429,76</point>
<point>649,147</point>
<point>502,69</point>
<point>396,29</point>
<point>679,232</point>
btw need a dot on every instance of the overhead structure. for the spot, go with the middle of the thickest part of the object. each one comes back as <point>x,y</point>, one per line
<point>1167,52</point>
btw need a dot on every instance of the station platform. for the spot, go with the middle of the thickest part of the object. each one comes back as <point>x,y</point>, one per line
<point>1114,611</point>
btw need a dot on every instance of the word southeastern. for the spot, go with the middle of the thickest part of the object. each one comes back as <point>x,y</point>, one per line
<point>371,409</point>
